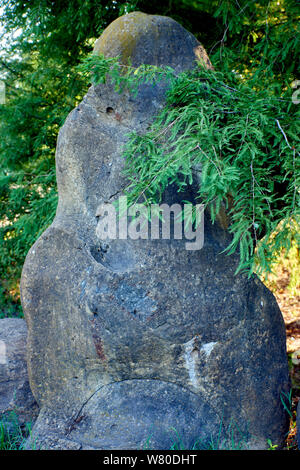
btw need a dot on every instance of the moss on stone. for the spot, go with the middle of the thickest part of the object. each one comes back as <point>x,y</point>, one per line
<point>151,39</point>
<point>123,33</point>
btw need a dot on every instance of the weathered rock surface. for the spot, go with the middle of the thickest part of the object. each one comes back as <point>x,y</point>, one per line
<point>131,339</point>
<point>151,39</point>
<point>15,393</point>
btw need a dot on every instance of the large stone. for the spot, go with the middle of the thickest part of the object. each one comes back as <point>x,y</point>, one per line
<point>15,393</point>
<point>133,343</point>
<point>151,39</point>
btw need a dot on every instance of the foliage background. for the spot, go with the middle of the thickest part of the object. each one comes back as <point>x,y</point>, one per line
<point>42,43</point>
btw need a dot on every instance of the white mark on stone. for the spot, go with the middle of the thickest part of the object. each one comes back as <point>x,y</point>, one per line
<point>261,303</point>
<point>208,347</point>
<point>3,359</point>
<point>191,356</point>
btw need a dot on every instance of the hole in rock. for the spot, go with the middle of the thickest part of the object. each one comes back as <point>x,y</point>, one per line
<point>110,110</point>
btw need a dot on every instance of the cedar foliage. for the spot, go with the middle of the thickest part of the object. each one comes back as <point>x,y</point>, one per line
<point>42,43</point>
<point>242,141</point>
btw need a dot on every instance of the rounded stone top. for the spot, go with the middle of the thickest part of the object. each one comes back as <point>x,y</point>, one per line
<point>151,39</point>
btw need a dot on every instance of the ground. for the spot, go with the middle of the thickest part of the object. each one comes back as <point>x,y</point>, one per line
<point>285,285</point>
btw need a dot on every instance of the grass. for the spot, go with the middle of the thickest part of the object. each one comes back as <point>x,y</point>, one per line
<point>12,435</point>
<point>231,439</point>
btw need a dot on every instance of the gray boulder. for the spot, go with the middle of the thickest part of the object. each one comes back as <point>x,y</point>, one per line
<point>141,343</point>
<point>15,395</point>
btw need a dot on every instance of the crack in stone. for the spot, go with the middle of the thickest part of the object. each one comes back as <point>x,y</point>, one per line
<point>75,418</point>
